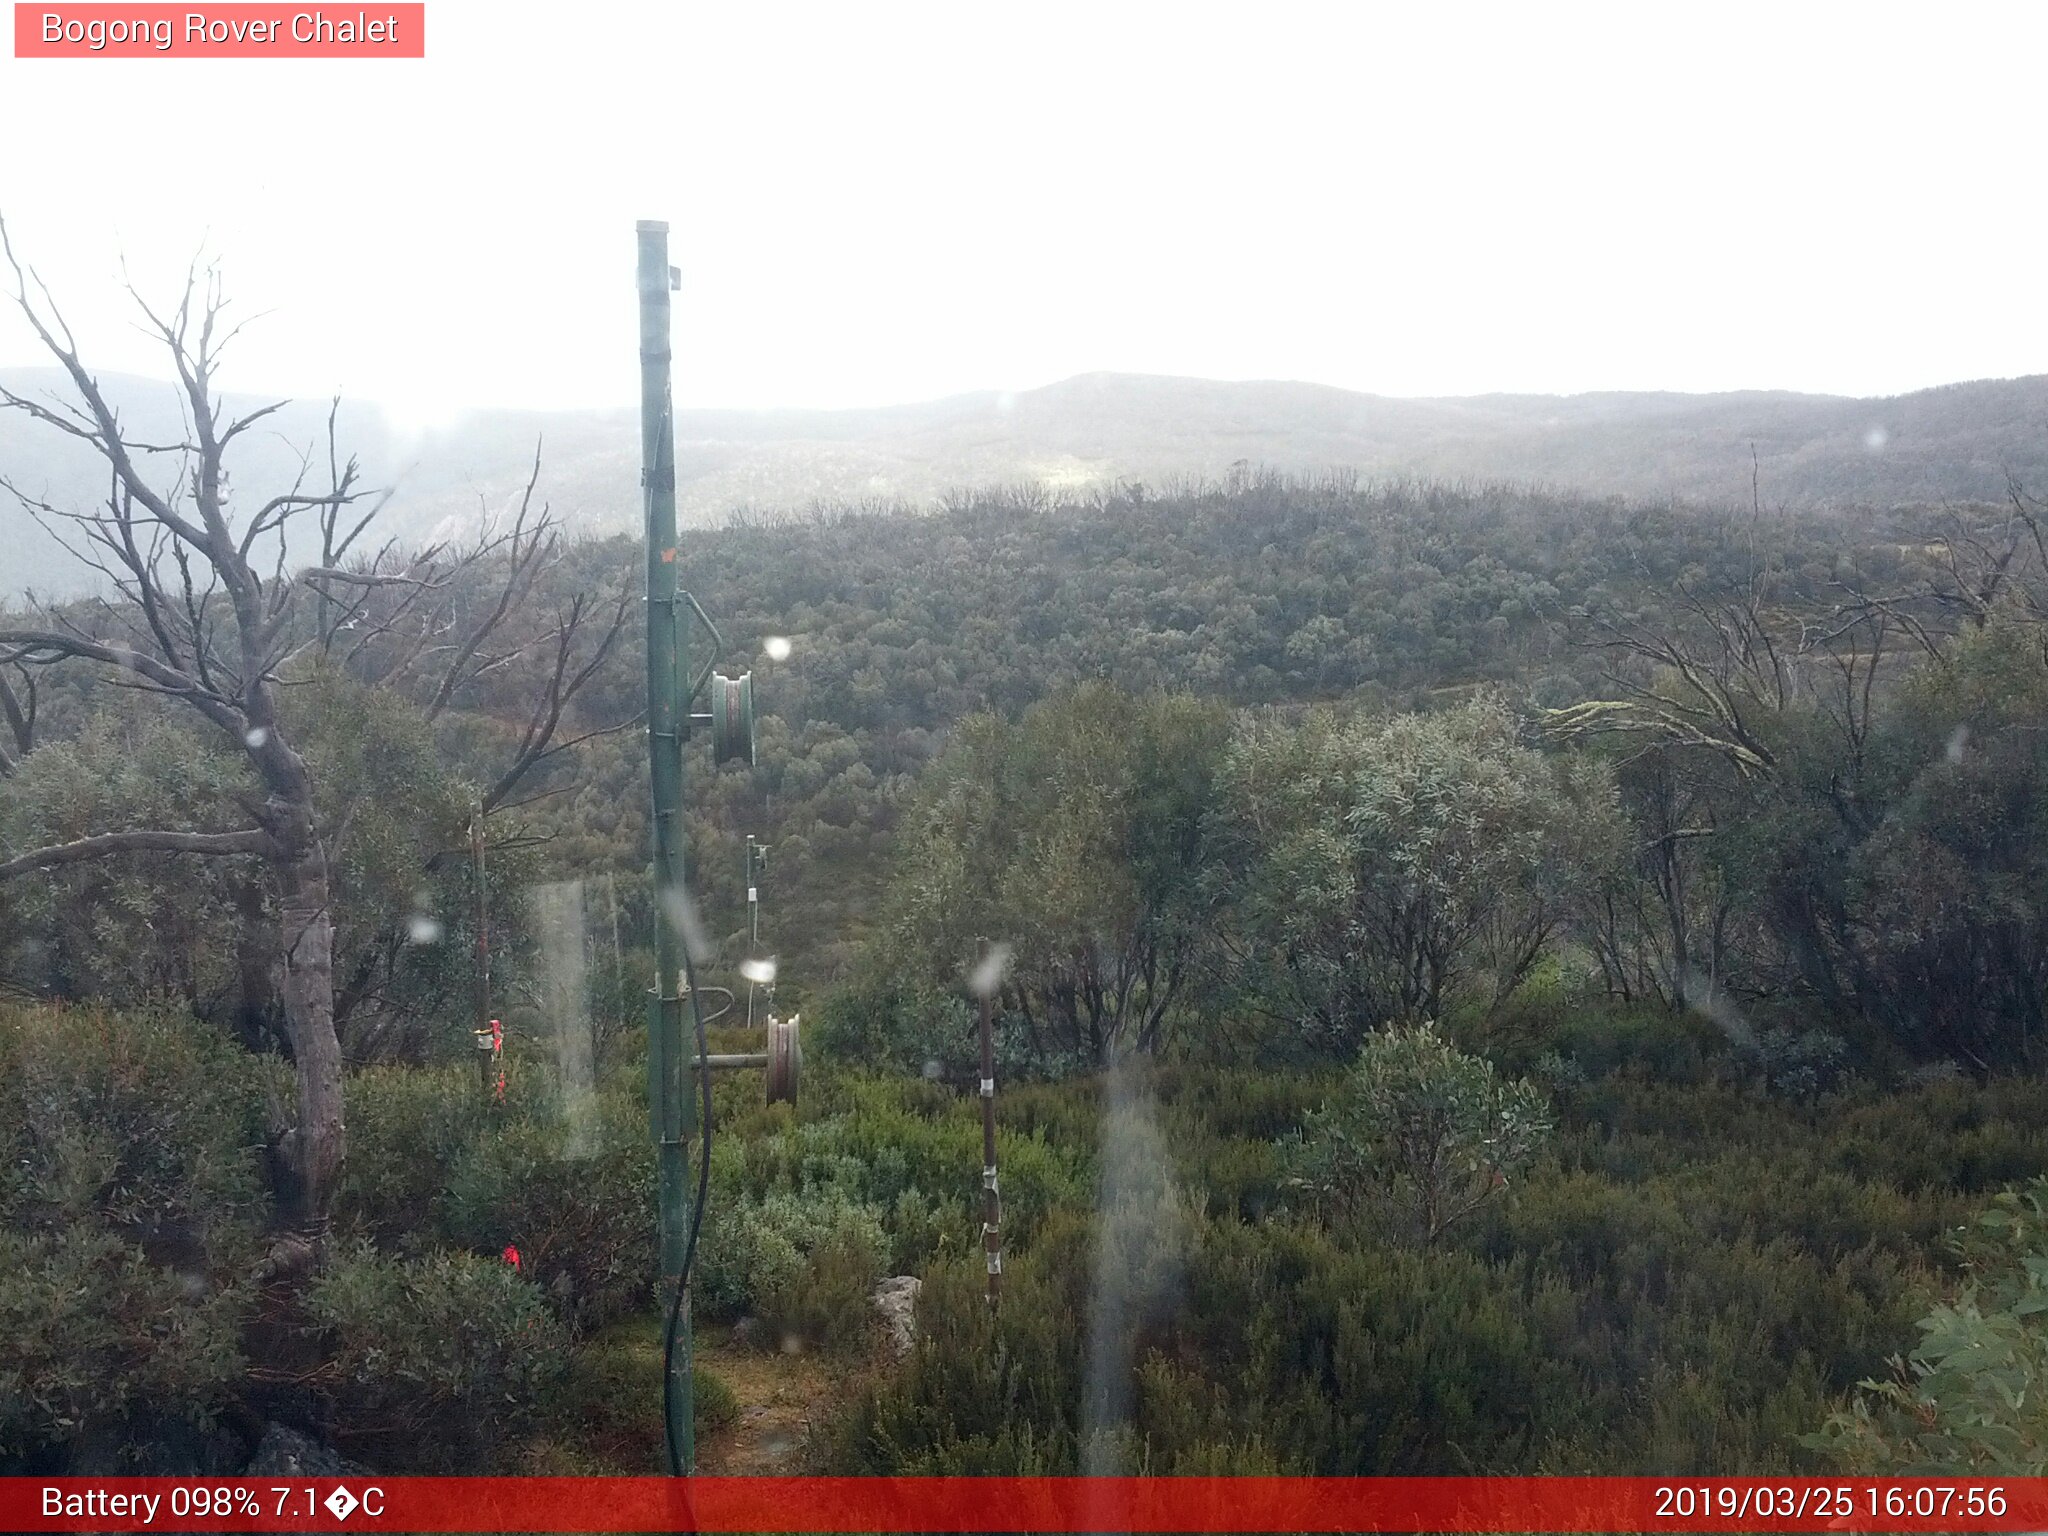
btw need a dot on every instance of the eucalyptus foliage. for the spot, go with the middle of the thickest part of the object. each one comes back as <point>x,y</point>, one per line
<point>1382,862</point>
<point>131,1199</point>
<point>1972,1396</point>
<point>1423,1134</point>
<point>1076,838</point>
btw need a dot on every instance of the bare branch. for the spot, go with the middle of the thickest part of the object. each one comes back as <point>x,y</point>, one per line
<point>251,841</point>
<point>105,435</point>
<point>371,578</point>
<point>529,550</point>
<point>538,744</point>
<point>40,646</point>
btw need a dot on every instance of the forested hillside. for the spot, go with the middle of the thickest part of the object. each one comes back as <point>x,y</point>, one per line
<point>1274,592</point>
<point>1682,869</point>
<point>1093,433</point>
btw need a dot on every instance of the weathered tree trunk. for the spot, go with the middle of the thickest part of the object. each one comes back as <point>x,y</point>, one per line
<point>317,1144</point>
<point>257,973</point>
<point>298,859</point>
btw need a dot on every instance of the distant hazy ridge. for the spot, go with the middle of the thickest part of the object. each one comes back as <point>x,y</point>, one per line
<point>1954,443</point>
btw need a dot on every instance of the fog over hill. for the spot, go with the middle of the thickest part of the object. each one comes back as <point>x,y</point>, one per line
<point>1955,443</point>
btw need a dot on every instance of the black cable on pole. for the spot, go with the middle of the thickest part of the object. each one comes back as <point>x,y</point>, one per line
<point>675,1308</point>
<point>727,994</point>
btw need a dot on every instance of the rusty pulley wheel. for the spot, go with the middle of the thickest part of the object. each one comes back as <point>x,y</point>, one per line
<point>732,718</point>
<point>785,1060</point>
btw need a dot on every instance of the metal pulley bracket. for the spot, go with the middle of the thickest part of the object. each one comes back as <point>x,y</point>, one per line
<point>717,647</point>
<point>732,718</point>
<point>783,1061</point>
<point>731,711</point>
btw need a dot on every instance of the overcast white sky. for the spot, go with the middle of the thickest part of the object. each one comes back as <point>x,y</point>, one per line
<point>882,202</point>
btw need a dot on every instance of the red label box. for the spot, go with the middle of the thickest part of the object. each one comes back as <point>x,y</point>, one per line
<point>371,30</point>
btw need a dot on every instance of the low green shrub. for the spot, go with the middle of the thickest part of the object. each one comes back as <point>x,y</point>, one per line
<point>881,1023</point>
<point>575,1198</point>
<point>760,1255</point>
<point>1802,1064</point>
<point>829,1302</point>
<point>1968,1399</point>
<point>985,1393</point>
<point>1422,1135</point>
<point>407,1126</point>
<point>145,1123</point>
<point>1655,1043</point>
<point>912,1151</point>
<point>91,1330</point>
<point>1241,1104</point>
<point>1689,1276</point>
<point>606,1415</point>
<point>435,1363</point>
<point>907,1028</point>
<point>713,1403</point>
<point>432,1164</point>
<point>131,1201</point>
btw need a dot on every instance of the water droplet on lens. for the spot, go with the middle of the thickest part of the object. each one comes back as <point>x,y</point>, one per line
<point>988,975</point>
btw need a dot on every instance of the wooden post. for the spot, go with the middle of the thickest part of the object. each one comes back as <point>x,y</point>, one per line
<point>484,1053</point>
<point>753,925</point>
<point>991,1195</point>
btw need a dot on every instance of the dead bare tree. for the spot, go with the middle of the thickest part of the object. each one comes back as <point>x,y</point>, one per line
<point>194,618</point>
<point>1712,688</point>
<point>1978,564</point>
<point>1714,695</point>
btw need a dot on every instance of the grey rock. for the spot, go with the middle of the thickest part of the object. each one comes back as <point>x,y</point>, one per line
<point>284,1452</point>
<point>896,1300</point>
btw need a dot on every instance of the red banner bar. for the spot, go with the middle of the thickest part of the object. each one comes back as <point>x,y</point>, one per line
<point>366,29</point>
<point>1025,1504</point>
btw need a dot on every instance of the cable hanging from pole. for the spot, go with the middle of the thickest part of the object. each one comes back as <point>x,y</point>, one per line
<point>671,1431</point>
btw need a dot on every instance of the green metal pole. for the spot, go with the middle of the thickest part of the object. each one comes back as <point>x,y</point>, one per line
<point>671,1105</point>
